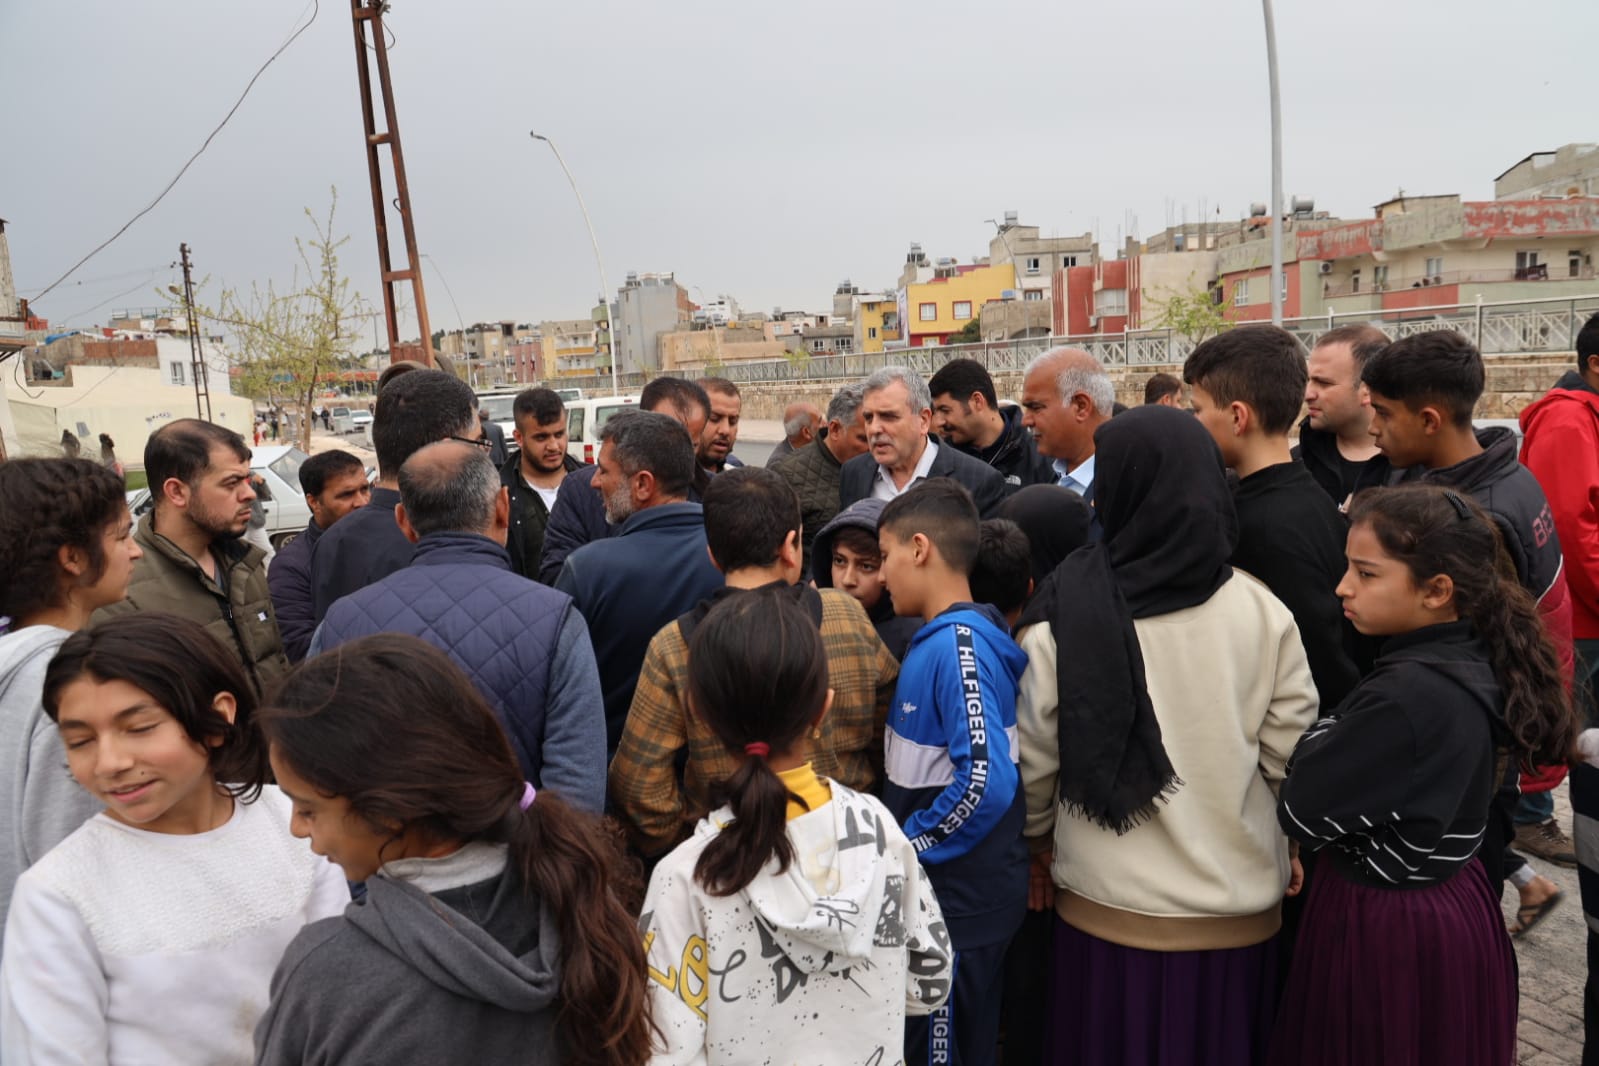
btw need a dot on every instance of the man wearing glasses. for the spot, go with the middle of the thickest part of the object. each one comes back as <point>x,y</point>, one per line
<point>413,410</point>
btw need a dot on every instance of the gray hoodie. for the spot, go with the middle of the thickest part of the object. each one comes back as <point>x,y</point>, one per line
<point>444,961</point>
<point>43,804</point>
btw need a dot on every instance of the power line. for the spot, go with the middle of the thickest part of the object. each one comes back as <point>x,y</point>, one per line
<point>141,283</point>
<point>317,9</point>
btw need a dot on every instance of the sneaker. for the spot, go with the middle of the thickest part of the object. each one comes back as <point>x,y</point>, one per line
<point>1546,841</point>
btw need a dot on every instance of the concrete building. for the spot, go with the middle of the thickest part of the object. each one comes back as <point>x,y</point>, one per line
<point>1034,259</point>
<point>570,347</point>
<point>648,305</point>
<point>876,321</point>
<point>943,304</point>
<point>722,311</point>
<point>1570,170</point>
<point>791,323</point>
<point>128,402</point>
<point>829,340</point>
<point>1423,251</point>
<point>692,352</point>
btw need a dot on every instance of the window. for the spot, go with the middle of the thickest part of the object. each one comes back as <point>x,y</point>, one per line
<point>1110,302</point>
<point>1435,266</point>
<point>1033,294</point>
<point>819,345</point>
<point>846,344</point>
<point>1574,262</point>
<point>1354,281</point>
<point>1240,292</point>
<point>1068,260</point>
<point>1379,276</point>
<point>574,423</point>
<point>1032,264</point>
<point>927,312</point>
<point>1526,259</point>
<point>177,374</point>
<point>871,333</point>
<point>963,310</point>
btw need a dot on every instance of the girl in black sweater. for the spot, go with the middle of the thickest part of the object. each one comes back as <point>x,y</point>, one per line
<point>1403,956</point>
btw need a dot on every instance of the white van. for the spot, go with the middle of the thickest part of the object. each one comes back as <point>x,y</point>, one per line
<point>585,419</point>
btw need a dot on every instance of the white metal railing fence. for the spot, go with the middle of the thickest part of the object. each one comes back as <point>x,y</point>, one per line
<point>1497,329</point>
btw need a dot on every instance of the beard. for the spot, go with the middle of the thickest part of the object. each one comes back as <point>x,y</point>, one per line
<point>220,525</point>
<point>618,505</point>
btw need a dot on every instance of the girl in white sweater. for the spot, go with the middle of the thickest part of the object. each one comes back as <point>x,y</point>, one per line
<point>796,924</point>
<point>150,934</point>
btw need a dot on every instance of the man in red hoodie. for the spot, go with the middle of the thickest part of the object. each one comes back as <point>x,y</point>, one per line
<point>1561,448</point>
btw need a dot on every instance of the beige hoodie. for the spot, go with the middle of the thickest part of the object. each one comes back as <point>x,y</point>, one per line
<point>1231,688</point>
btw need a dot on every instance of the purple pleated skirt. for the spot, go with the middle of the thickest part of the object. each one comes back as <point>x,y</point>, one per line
<point>1399,976</point>
<point>1118,1006</point>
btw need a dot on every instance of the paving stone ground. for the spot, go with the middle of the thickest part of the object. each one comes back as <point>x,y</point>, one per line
<point>1554,966</point>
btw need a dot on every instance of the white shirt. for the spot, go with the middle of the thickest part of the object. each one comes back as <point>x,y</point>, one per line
<point>127,946</point>
<point>1077,478</point>
<point>547,495</point>
<point>883,487</point>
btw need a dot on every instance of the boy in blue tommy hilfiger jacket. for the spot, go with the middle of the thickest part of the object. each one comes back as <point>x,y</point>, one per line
<point>952,756</point>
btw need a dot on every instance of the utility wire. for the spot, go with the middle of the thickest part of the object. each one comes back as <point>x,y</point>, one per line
<point>316,10</point>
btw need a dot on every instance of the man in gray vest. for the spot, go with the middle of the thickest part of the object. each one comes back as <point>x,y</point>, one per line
<point>522,644</point>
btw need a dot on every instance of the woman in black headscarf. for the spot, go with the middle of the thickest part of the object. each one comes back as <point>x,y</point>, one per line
<point>1163,695</point>
<point>1056,521</point>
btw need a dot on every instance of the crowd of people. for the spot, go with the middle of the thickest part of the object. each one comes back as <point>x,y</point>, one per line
<point>960,731</point>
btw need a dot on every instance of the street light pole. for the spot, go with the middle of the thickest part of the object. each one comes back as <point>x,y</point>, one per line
<point>605,288</point>
<point>1277,277</point>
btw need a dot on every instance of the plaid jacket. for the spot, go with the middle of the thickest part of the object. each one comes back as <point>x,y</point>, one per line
<point>658,810</point>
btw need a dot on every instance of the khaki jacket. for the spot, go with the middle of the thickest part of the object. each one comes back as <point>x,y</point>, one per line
<point>167,579</point>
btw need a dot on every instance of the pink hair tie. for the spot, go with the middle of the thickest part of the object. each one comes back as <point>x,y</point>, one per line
<point>528,792</point>
<point>758,748</point>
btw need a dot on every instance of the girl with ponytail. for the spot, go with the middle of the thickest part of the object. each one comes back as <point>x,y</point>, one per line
<point>499,922</point>
<point>1396,787</point>
<point>796,923</point>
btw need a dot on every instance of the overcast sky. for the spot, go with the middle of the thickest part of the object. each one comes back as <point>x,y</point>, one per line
<point>763,151</point>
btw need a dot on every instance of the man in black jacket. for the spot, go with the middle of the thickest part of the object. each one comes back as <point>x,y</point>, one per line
<point>334,484</point>
<point>967,414</point>
<point>814,471</point>
<point>1335,438</point>
<point>898,412</point>
<point>534,473</point>
<point>578,515</point>
<point>1246,386</point>
<point>413,409</point>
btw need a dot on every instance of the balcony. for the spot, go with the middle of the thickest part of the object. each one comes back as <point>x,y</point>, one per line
<point>1540,272</point>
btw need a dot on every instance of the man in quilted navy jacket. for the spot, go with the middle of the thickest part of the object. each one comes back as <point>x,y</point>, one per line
<point>522,644</point>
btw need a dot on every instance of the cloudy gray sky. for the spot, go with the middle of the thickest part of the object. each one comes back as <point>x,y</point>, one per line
<point>765,151</point>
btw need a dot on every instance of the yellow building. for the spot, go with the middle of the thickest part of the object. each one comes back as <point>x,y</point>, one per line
<point>876,320</point>
<point>932,310</point>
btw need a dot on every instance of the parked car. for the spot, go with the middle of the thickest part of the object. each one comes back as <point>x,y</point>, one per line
<point>343,420</point>
<point>499,403</point>
<point>286,512</point>
<point>585,419</point>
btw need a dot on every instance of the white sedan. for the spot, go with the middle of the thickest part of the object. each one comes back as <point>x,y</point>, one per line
<point>286,512</point>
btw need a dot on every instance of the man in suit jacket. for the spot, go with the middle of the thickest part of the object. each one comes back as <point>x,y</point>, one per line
<point>898,412</point>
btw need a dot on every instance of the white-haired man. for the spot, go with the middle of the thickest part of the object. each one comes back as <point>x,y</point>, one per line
<point>1066,396</point>
<point>898,412</point>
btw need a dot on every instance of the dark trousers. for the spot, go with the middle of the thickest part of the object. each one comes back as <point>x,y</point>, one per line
<point>964,1031</point>
<point>1585,811</point>
<point>1027,989</point>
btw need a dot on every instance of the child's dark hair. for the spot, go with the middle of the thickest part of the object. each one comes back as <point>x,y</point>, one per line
<point>942,511</point>
<point>1440,367</point>
<point>182,667</point>
<point>1261,365</point>
<point>757,676</point>
<point>1004,566</point>
<point>749,512</point>
<point>47,505</point>
<point>438,762</point>
<point>1433,530</point>
<point>858,539</point>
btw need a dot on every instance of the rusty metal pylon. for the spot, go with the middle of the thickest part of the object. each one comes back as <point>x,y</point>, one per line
<point>369,14</point>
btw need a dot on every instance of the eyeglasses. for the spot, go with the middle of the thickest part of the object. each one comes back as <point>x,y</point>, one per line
<point>481,442</point>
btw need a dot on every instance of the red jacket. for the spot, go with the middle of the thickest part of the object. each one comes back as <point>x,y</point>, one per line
<point>1561,448</point>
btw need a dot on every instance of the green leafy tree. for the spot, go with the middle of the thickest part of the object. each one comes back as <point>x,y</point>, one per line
<point>287,345</point>
<point>970,333</point>
<point>1192,315</point>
